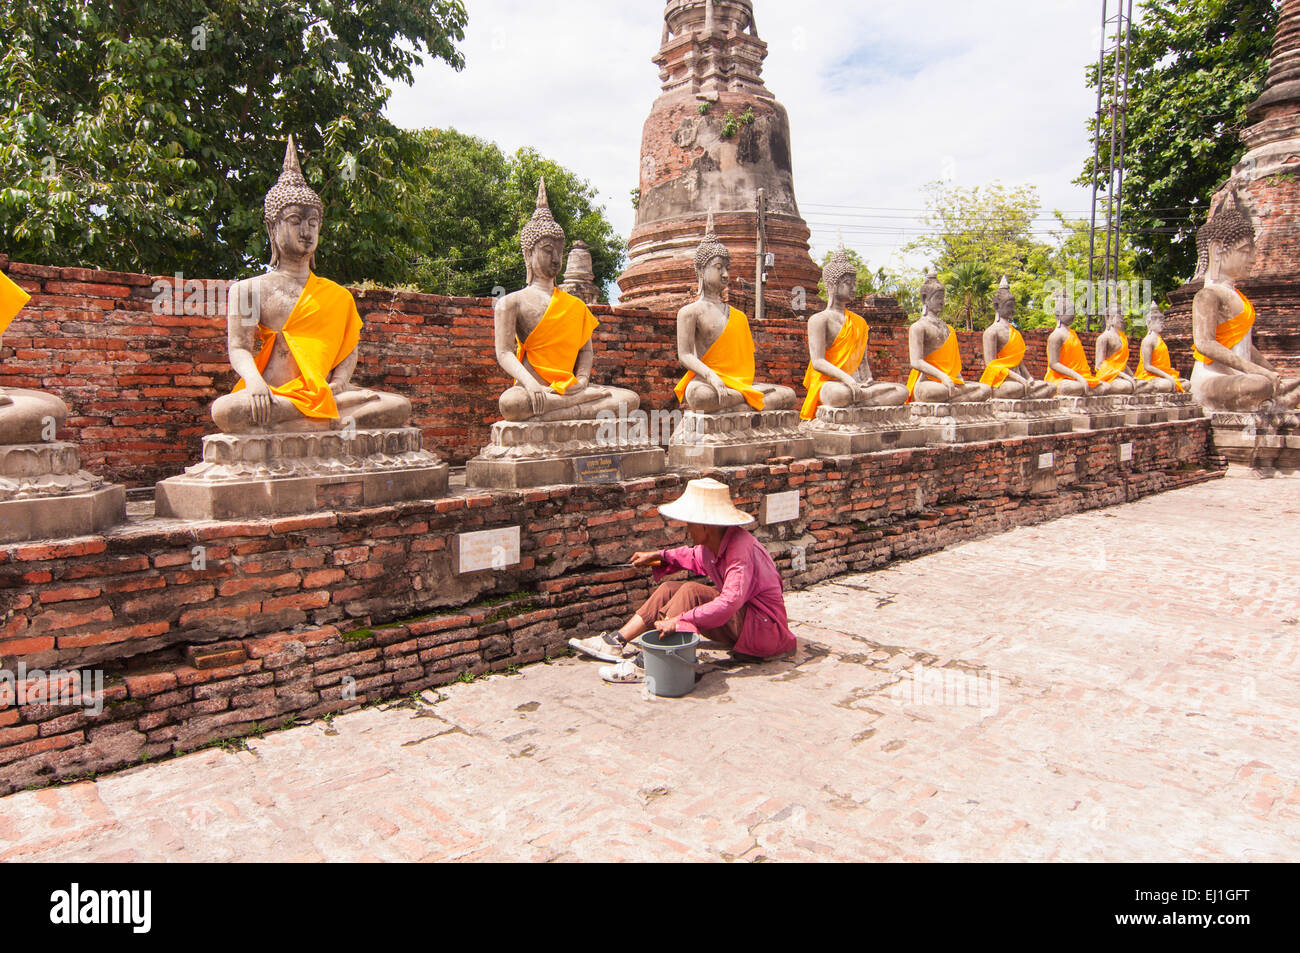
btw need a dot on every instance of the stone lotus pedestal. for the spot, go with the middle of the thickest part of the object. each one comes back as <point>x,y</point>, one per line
<point>1032,418</point>
<point>737,439</point>
<point>257,476</point>
<point>1096,413</point>
<point>44,494</point>
<point>1264,444</point>
<point>946,424</point>
<point>559,453</point>
<point>1160,409</point>
<point>841,431</point>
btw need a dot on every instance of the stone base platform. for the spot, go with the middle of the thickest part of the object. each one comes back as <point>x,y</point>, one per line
<point>1032,418</point>
<point>259,476</point>
<point>958,423</point>
<point>838,431</point>
<point>557,453</point>
<point>1096,413</point>
<point>44,494</point>
<point>738,439</point>
<point>1263,444</point>
<point>1144,409</point>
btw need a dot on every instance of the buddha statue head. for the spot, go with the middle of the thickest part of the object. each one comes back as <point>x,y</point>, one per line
<point>1063,307</point>
<point>840,277</point>
<point>1202,251</point>
<point>1115,320</point>
<point>293,213</point>
<point>542,240</point>
<point>933,294</point>
<point>712,262</point>
<point>1230,240</point>
<point>1155,319</point>
<point>1004,302</point>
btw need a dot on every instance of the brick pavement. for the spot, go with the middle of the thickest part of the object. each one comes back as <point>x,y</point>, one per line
<point>1059,714</point>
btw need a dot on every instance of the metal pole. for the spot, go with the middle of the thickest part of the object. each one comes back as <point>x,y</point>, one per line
<point>1096,163</point>
<point>1123,144</point>
<point>1114,145</point>
<point>762,255</point>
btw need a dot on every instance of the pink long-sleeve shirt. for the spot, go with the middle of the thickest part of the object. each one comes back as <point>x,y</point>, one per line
<point>746,577</point>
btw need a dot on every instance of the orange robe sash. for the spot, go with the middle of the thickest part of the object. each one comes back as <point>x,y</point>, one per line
<point>732,359</point>
<point>553,347</point>
<point>1160,361</point>
<point>12,300</point>
<point>947,358</point>
<point>1073,357</point>
<point>846,353</point>
<point>1011,357</point>
<point>1233,331</point>
<point>1116,364</point>
<point>323,329</point>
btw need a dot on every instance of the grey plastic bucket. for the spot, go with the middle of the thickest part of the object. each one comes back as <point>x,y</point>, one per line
<point>670,663</point>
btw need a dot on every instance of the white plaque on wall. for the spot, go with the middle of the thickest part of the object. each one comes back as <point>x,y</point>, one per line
<point>1047,461</point>
<point>780,508</point>
<point>1125,453</point>
<point>491,549</point>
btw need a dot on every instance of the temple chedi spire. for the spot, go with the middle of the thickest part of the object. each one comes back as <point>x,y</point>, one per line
<point>715,136</point>
<point>1266,176</point>
<point>1266,184</point>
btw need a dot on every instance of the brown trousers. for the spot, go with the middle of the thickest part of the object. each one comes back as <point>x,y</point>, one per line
<point>672,599</point>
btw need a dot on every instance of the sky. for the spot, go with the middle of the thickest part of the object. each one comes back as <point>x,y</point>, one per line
<point>884,96</point>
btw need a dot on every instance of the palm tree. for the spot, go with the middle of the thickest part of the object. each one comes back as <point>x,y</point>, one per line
<point>970,282</point>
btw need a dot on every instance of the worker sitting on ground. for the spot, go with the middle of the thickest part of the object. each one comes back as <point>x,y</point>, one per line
<point>743,608</point>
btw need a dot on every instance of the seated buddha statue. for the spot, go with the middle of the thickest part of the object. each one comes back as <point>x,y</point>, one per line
<point>1067,361</point>
<point>1004,354</point>
<point>715,345</point>
<point>544,337</point>
<point>1231,374</point>
<point>26,416</point>
<point>292,336</point>
<point>936,355</point>
<point>839,369</point>
<point>1113,355</point>
<point>1154,367</point>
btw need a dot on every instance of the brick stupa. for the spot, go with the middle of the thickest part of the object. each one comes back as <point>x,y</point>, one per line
<point>1267,180</point>
<point>694,161</point>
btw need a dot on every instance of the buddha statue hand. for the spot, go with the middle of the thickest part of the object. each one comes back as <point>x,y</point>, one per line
<point>538,397</point>
<point>262,402</point>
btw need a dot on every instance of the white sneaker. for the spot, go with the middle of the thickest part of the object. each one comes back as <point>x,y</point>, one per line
<point>606,647</point>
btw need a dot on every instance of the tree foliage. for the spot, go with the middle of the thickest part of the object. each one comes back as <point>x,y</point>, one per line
<point>475,200</point>
<point>1196,65</point>
<point>970,283</point>
<point>143,136</point>
<point>995,230</point>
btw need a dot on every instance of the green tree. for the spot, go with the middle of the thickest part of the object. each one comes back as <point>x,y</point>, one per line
<point>993,226</point>
<point>970,283</point>
<point>143,136</point>
<point>1196,65</point>
<point>474,201</point>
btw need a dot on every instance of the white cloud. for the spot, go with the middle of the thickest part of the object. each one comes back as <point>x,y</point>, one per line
<point>883,98</point>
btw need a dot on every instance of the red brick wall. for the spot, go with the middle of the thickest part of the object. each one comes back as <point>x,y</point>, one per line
<point>139,385</point>
<point>281,612</point>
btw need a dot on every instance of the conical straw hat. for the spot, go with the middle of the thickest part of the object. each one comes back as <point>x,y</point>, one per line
<point>706,503</point>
